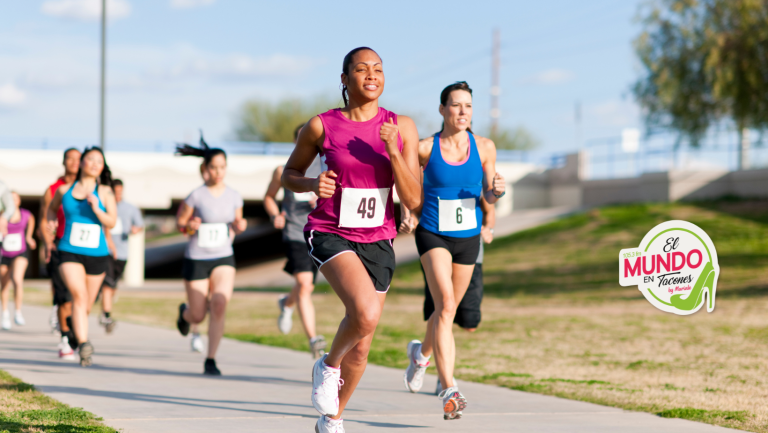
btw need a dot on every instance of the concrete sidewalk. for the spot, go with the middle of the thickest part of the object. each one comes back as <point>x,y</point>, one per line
<point>147,380</point>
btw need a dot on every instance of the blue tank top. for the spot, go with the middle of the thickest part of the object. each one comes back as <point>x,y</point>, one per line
<point>83,232</point>
<point>452,193</point>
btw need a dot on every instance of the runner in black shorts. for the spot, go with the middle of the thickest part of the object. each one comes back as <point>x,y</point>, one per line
<point>291,220</point>
<point>129,222</point>
<point>212,215</point>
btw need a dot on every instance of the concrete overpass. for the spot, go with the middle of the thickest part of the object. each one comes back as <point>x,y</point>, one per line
<point>157,181</point>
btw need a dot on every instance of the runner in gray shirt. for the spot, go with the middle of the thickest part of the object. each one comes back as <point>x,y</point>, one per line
<point>129,221</point>
<point>291,220</point>
<point>7,209</point>
<point>211,215</point>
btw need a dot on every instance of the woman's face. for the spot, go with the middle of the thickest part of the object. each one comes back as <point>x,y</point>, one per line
<point>365,80</point>
<point>457,112</point>
<point>215,170</point>
<point>92,164</point>
<point>16,200</point>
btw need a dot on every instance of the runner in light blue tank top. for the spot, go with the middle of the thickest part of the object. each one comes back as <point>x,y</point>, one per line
<point>89,209</point>
<point>452,193</point>
<point>83,233</point>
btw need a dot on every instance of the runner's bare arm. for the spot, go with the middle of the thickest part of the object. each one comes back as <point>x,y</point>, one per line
<point>108,218</point>
<point>184,215</point>
<point>240,223</point>
<point>31,233</point>
<point>270,203</point>
<point>307,147</point>
<point>405,164</point>
<point>489,221</point>
<point>493,182</point>
<point>51,218</point>
<point>44,234</point>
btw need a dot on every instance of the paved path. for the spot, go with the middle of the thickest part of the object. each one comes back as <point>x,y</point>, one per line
<point>146,380</point>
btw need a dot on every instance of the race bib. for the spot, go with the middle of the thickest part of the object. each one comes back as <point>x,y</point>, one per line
<point>455,215</point>
<point>363,207</point>
<point>213,235</point>
<point>118,228</point>
<point>85,235</point>
<point>303,196</point>
<point>12,242</point>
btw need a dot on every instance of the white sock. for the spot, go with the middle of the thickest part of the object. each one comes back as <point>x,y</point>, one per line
<point>421,358</point>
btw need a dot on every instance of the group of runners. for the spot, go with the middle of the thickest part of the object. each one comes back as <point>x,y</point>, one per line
<point>84,228</point>
<point>338,198</point>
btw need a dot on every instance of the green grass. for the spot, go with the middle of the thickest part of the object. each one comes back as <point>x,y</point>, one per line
<point>23,409</point>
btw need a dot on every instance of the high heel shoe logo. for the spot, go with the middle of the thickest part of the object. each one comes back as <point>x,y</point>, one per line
<point>675,267</point>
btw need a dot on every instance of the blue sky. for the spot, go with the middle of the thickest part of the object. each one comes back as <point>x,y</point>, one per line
<point>178,65</point>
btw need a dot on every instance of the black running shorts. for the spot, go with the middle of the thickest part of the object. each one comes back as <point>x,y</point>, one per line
<point>463,250</point>
<point>468,314</point>
<point>192,270</point>
<point>93,265</point>
<point>114,272</point>
<point>298,258</point>
<point>377,257</point>
<point>8,261</point>
<point>61,294</point>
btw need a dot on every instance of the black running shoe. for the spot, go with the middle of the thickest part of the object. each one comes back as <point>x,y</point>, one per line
<point>182,324</point>
<point>210,368</point>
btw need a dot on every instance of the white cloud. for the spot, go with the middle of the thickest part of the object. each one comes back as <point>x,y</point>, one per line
<point>551,76</point>
<point>11,96</point>
<point>85,10</point>
<point>188,4</point>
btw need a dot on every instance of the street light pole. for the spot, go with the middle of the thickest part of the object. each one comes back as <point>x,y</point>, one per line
<point>103,69</point>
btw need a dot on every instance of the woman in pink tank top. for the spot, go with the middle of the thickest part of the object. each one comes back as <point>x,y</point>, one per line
<point>368,151</point>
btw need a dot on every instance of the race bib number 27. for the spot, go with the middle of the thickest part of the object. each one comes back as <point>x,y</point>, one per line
<point>85,235</point>
<point>363,207</point>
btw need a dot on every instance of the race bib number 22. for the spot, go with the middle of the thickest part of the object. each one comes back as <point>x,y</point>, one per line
<point>363,207</point>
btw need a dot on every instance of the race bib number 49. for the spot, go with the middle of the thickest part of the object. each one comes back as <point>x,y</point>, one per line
<point>455,215</point>
<point>85,235</point>
<point>213,235</point>
<point>12,242</point>
<point>363,207</point>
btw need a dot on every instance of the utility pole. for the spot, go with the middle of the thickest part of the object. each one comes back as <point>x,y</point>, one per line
<point>495,89</point>
<point>577,121</point>
<point>103,69</point>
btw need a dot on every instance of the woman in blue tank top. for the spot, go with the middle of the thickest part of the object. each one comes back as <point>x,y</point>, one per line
<point>89,209</point>
<point>459,172</point>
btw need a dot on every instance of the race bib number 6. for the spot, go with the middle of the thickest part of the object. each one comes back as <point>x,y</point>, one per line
<point>363,207</point>
<point>213,235</point>
<point>455,215</point>
<point>85,235</point>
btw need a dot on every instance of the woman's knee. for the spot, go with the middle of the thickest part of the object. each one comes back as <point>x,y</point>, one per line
<point>367,320</point>
<point>447,311</point>
<point>218,305</point>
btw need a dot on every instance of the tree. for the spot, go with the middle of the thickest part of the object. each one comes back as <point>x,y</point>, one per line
<point>261,120</point>
<point>517,139</point>
<point>704,61</point>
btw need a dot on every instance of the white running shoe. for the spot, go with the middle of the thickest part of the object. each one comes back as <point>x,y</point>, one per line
<point>285,321</point>
<point>19,319</point>
<point>6,320</point>
<point>326,382</point>
<point>414,374</point>
<point>329,425</point>
<point>53,319</point>
<point>453,403</point>
<point>65,351</point>
<point>197,343</point>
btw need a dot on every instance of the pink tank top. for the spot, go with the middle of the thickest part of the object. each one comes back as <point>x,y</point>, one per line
<point>361,209</point>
